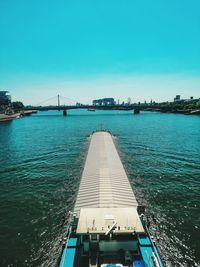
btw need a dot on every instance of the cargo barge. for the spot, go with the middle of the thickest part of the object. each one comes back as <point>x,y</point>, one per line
<point>107,228</point>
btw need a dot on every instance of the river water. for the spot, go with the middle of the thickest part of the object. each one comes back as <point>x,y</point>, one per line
<point>41,160</point>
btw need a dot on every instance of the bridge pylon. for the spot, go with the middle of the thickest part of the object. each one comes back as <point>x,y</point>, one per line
<point>58,100</point>
<point>136,111</point>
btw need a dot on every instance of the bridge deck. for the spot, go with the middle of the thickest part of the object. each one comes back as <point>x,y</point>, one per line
<point>104,182</point>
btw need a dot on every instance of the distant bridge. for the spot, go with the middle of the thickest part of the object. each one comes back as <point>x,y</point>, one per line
<point>91,107</point>
<point>58,106</point>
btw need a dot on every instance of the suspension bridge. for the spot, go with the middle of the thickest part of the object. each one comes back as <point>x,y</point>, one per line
<point>62,103</point>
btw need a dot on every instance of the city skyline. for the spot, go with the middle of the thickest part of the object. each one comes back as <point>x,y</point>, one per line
<point>75,90</point>
<point>92,50</point>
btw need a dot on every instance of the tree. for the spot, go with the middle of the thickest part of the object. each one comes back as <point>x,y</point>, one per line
<point>17,105</point>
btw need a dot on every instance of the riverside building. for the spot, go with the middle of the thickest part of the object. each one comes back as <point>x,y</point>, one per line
<point>5,99</point>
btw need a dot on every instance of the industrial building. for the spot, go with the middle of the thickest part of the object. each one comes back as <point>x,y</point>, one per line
<point>104,102</point>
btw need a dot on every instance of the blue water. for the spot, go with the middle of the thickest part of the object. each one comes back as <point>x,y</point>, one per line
<point>41,160</point>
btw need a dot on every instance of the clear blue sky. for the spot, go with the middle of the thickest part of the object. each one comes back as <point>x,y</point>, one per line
<point>85,49</point>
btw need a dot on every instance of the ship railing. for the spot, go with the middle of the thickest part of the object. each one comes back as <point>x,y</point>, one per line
<point>156,250</point>
<point>66,238</point>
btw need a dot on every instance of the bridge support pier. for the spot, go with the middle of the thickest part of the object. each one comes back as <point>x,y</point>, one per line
<point>136,111</point>
<point>64,112</point>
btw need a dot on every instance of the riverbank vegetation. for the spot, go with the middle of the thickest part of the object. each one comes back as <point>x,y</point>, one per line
<point>12,107</point>
<point>177,107</point>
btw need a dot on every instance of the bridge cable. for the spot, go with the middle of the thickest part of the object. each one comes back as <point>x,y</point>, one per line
<point>54,97</point>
